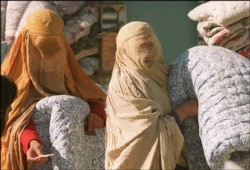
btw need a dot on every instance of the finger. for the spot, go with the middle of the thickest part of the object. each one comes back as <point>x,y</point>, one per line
<point>30,159</point>
<point>37,160</point>
<point>100,122</point>
<point>90,121</point>
<point>97,121</point>
<point>40,160</point>
<point>37,150</point>
<point>31,156</point>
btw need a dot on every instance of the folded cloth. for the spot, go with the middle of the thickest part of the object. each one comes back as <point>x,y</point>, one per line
<point>238,41</point>
<point>79,26</point>
<point>223,23</point>
<point>209,28</point>
<point>245,51</point>
<point>236,29</point>
<point>218,36</point>
<point>214,33</point>
<point>242,25</point>
<point>220,12</point>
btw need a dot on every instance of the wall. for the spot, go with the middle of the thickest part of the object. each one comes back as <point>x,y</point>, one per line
<point>170,22</point>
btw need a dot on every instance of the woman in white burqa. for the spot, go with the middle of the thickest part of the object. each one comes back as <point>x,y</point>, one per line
<point>140,132</point>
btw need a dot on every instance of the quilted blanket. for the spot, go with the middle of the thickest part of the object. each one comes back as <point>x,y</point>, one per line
<point>220,79</point>
<point>224,23</point>
<point>221,12</point>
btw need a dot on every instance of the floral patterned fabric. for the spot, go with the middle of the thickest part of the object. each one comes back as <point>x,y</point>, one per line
<point>180,90</point>
<point>220,78</point>
<point>59,120</point>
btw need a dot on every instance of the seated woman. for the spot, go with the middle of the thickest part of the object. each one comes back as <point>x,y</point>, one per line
<point>56,97</point>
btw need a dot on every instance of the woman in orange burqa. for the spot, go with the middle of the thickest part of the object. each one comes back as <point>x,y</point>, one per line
<point>54,99</point>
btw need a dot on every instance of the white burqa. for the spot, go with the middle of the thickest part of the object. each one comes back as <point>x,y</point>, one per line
<point>140,133</point>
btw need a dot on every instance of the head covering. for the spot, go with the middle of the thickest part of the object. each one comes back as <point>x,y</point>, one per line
<point>45,22</point>
<point>138,126</point>
<point>139,48</point>
<point>131,30</point>
<point>42,64</point>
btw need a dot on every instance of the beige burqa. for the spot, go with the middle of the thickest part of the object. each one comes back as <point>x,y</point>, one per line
<point>140,133</point>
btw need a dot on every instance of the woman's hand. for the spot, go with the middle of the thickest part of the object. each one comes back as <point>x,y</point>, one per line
<point>35,150</point>
<point>187,109</point>
<point>94,121</point>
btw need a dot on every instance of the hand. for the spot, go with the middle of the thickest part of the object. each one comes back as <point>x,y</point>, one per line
<point>187,109</point>
<point>10,39</point>
<point>35,150</point>
<point>94,121</point>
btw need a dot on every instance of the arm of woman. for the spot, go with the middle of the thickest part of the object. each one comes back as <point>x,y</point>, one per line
<point>32,143</point>
<point>29,134</point>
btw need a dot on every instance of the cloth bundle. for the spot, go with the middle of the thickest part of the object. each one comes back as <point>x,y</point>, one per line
<point>219,78</point>
<point>224,23</point>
